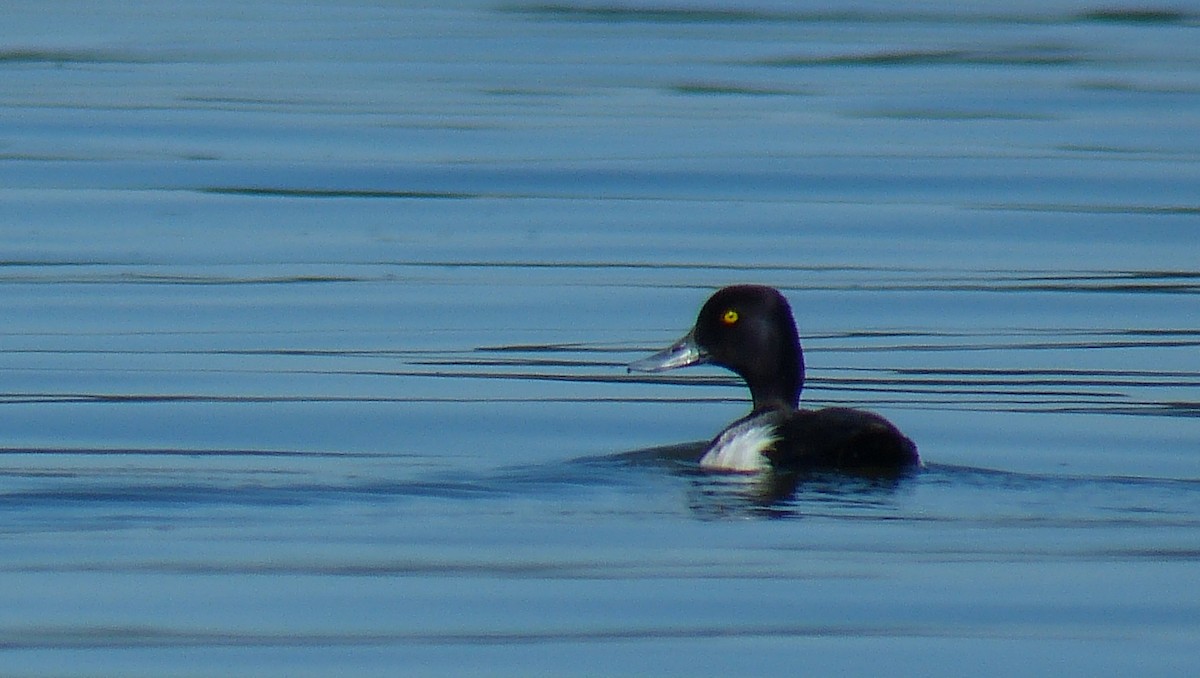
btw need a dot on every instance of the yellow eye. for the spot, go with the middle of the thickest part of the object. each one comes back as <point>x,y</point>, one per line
<point>730,317</point>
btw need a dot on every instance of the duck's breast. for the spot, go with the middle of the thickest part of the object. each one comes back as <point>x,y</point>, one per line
<point>743,445</point>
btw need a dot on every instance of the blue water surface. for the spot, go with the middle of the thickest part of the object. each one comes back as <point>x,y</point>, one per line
<point>316,318</point>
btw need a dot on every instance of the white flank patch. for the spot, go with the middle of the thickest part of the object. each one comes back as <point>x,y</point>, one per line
<point>740,447</point>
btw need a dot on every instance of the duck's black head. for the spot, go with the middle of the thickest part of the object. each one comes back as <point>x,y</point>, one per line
<point>748,329</point>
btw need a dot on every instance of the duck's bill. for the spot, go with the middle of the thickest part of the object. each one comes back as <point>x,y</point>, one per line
<point>680,354</point>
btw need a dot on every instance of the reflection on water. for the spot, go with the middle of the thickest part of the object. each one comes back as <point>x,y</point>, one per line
<point>95,499</point>
<point>794,495</point>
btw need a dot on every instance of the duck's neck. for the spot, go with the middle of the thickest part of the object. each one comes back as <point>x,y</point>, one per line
<point>779,389</point>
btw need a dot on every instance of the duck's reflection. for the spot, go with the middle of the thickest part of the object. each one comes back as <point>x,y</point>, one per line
<point>781,493</point>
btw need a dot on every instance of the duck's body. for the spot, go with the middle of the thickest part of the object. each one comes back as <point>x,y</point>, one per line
<point>749,329</point>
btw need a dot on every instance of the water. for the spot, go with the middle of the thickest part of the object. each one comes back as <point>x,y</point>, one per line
<point>316,318</point>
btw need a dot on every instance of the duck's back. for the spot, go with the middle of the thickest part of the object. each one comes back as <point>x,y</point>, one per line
<point>842,438</point>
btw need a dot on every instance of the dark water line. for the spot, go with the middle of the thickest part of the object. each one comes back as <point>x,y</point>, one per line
<point>176,398</point>
<point>1024,402</point>
<point>1092,208</point>
<point>926,273</point>
<point>345,193</point>
<point>60,638</point>
<point>190,452</point>
<point>996,287</point>
<point>897,14</point>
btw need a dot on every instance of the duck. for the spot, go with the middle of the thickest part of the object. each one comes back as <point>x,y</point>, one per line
<point>750,330</point>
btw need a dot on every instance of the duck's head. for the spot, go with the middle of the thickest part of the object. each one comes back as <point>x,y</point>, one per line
<point>748,329</point>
